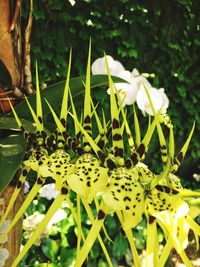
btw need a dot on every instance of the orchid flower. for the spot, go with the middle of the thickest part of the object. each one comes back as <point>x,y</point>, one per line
<point>99,66</point>
<point>158,97</point>
<point>124,194</point>
<point>124,185</point>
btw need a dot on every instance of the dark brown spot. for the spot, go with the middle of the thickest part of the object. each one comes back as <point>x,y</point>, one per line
<point>166,188</point>
<point>174,191</point>
<point>87,128</point>
<point>117,137</point>
<point>127,199</point>
<point>151,219</point>
<point>39,181</point>
<point>65,135</point>
<point>110,163</point>
<point>101,155</point>
<point>24,172</point>
<point>64,190</point>
<point>160,188</point>
<point>19,184</point>
<point>134,159</point>
<point>115,124</point>
<point>63,121</point>
<point>119,152</point>
<point>87,119</point>
<point>40,119</point>
<point>128,163</point>
<point>163,147</point>
<point>101,215</point>
<point>141,150</point>
<point>89,184</point>
<point>180,156</point>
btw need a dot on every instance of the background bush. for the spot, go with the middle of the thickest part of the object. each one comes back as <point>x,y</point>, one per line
<point>154,36</point>
<point>158,37</point>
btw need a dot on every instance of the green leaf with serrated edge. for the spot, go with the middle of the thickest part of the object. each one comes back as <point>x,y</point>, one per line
<point>12,151</point>
<point>54,93</point>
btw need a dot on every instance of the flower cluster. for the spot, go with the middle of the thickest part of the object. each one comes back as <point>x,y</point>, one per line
<point>134,89</point>
<point>123,182</point>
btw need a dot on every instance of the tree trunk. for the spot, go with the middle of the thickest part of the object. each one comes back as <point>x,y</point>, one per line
<point>14,237</point>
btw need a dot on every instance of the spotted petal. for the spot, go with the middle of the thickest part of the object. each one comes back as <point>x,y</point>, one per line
<point>58,167</point>
<point>169,211</point>
<point>89,178</point>
<point>38,157</point>
<point>126,194</point>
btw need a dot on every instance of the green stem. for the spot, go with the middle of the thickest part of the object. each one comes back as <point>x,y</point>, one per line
<point>92,236</point>
<point>91,217</point>
<point>53,208</point>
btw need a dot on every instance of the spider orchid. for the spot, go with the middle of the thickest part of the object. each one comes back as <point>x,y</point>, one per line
<point>124,186</point>
<point>59,168</point>
<point>39,156</point>
<point>124,194</point>
<point>167,204</point>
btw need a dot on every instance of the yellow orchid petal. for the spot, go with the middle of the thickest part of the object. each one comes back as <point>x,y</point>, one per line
<point>126,194</point>
<point>168,211</point>
<point>58,167</point>
<point>89,178</point>
<point>38,157</point>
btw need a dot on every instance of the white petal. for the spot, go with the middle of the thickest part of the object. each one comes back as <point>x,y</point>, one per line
<point>48,191</point>
<point>156,98</point>
<point>135,72</point>
<point>99,66</point>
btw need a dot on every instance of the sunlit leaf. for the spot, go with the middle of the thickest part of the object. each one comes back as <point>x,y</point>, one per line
<point>54,94</point>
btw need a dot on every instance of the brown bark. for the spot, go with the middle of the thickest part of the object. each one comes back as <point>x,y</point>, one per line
<point>9,43</point>
<point>14,237</point>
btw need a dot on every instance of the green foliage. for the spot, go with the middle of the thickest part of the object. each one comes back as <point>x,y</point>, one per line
<point>141,34</point>
<point>12,150</point>
<point>58,247</point>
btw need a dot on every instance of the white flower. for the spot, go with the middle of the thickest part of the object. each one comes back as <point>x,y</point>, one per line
<point>4,254</point>
<point>3,229</point>
<point>57,217</point>
<point>158,97</point>
<point>127,92</point>
<point>99,66</point>
<point>139,79</point>
<point>31,223</point>
<point>48,191</point>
